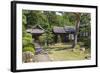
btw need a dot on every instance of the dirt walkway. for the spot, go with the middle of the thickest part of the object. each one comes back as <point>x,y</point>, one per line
<point>41,58</point>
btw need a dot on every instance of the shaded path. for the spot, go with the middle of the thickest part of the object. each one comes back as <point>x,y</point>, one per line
<point>41,55</point>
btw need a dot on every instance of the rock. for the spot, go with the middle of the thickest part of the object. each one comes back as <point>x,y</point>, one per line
<point>82,49</point>
<point>73,50</point>
<point>87,56</point>
<point>27,56</point>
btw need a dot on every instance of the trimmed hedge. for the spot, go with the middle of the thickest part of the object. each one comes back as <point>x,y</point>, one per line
<point>31,49</point>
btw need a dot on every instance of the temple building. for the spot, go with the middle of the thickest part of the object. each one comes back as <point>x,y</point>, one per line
<point>64,34</point>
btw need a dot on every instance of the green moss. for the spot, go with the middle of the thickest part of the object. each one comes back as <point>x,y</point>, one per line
<point>63,52</point>
<point>63,55</point>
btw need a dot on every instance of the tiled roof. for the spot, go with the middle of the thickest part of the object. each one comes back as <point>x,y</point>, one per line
<point>65,29</point>
<point>59,30</point>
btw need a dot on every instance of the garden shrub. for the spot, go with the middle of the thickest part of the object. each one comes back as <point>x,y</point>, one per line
<point>46,38</point>
<point>27,39</point>
<point>43,38</point>
<point>29,45</point>
<point>31,49</point>
<point>50,37</point>
<point>28,35</point>
<point>87,43</point>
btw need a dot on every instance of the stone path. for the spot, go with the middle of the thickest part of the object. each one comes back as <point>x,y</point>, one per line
<point>41,58</point>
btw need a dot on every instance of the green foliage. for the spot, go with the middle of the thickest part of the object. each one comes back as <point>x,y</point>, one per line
<point>46,38</point>
<point>36,17</point>
<point>28,35</point>
<point>87,42</point>
<point>48,19</point>
<point>50,37</point>
<point>24,22</point>
<point>51,16</point>
<point>85,28</point>
<point>85,18</point>
<point>43,38</point>
<point>69,18</point>
<point>23,30</point>
<point>32,18</point>
<point>60,20</point>
<point>31,49</point>
<point>27,39</point>
<point>27,43</point>
<point>24,19</point>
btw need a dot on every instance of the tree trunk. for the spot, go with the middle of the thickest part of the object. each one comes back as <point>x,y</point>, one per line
<point>77,29</point>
